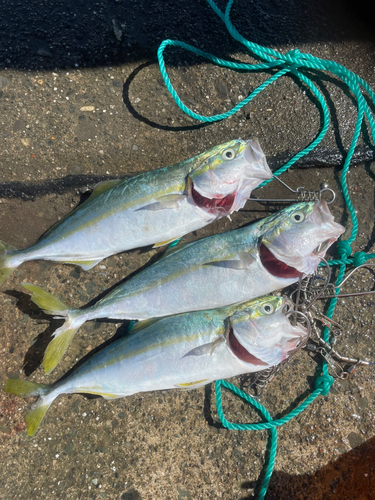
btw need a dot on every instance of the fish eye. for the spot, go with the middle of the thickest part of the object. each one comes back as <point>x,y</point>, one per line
<point>285,309</point>
<point>297,217</point>
<point>229,154</point>
<point>267,308</point>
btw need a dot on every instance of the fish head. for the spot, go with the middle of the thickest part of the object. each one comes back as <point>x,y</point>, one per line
<point>222,183</point>
<point>263,335</point>
<point>294,240</point>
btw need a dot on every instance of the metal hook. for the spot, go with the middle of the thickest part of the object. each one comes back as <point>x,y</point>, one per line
<point>303,195</point>
<point>305,283</point>
<point>328,322</point>
<point>324,286</point>
<point>333,358</point>
<point>262,379</point>
<point>342,295</point>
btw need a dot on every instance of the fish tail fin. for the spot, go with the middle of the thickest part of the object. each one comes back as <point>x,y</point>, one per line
<point>35,416</point>
<point>63,335</point>
<point>59,344</point>
<point>6,268</point>
<point>24,389</point>
<point>47,302</point>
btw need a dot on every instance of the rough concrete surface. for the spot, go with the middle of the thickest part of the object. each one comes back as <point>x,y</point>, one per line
<point>82,99</point>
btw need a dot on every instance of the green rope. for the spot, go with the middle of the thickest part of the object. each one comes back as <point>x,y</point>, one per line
<point>291,63</point>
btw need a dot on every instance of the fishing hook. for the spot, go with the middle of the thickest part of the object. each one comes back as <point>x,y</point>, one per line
<point>342,295</point>
<point>303,195</point>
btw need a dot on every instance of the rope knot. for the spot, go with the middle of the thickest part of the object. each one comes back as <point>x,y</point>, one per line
<point>344,249</point>
<point>292,56</point>
<point>324,383</point>
<point>293,53</point>
<point>359,259</point>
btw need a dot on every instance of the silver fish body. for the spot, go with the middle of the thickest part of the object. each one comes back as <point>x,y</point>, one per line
<point>213,272</point>
<point>184,351</point>
<point>150,209</point>
<point>225,268</point>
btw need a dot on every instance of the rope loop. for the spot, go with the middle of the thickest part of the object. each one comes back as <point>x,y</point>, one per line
<point>324,383</point>
<point>359,259</point>
<point>344,249</point>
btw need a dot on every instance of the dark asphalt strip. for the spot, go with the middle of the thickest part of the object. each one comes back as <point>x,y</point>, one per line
<point>320,157</point>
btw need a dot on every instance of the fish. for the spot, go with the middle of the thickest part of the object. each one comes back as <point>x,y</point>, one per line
<point>153,208</point>
<point>185,351</point>
<point>212,272</point>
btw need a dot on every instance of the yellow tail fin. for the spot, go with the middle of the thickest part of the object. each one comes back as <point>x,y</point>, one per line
<point>24,389</point>
<point>57,347</point>
<point>34,417</point>
<point>46,301</point>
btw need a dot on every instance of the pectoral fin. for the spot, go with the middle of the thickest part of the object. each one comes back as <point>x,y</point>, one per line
<point>203,349</point>
<point>244,262</point>
<point>226,264</point>
<point>246,259</point>
<point>164,202</point>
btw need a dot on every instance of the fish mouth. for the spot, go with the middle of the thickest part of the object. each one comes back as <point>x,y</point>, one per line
<point>241,353</point>
<point>321,249</point>
<point>212,205</point>
<point>275,266</point>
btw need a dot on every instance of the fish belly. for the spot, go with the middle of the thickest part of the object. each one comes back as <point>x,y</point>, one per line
<point>208,287</point>
<point>118,232</point>
<point>156,369</point>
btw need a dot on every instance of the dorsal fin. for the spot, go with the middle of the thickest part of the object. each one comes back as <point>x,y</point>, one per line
<point>104,186</point>
<point>98,189</point>
<point>173,249</point>
<point>140,325</point>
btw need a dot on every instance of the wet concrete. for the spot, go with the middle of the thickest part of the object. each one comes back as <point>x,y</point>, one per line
<point>66,127</point>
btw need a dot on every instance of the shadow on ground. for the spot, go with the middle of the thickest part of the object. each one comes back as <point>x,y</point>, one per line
<point>352,477</point>
<point>70,33</point>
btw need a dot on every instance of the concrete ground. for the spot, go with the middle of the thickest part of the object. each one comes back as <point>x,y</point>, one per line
<point>81,100</point>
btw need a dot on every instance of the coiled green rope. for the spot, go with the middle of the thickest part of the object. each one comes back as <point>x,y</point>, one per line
<point>293,62</point>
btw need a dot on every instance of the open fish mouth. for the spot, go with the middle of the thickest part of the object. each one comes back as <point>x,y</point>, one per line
<point>321,249</point>
<point>275,266</point>
<point>213,204</point>
<point>241,353</point>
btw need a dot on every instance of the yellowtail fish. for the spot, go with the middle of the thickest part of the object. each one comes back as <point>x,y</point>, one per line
<point>212,272</point>
<point>184,351</point>
<point>153,208</point>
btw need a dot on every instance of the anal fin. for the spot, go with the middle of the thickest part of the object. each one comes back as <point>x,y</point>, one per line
<point>193,385</point>
<point>167,242</point>
<point>85,264</point>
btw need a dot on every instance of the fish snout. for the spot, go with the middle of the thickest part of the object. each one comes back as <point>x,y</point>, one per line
<point>325,221</point>
<point>255,157</point>
<point>296,338</point>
